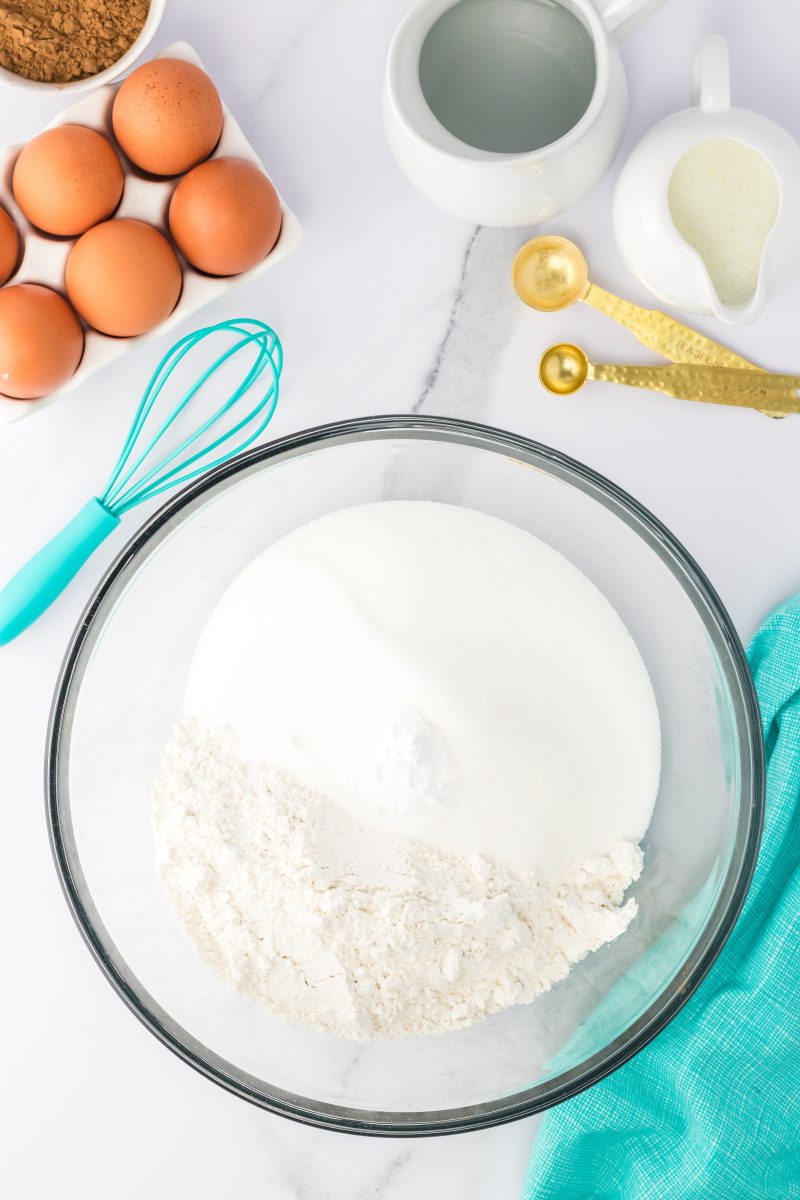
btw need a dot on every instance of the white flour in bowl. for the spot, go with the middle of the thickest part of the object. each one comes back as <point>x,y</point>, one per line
<point>420,751</point>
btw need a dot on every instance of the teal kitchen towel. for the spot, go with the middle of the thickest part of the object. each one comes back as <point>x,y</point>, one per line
<point>710,1110</point>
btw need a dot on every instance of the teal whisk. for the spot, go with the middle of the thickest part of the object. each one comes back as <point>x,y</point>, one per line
<point>140,474</point>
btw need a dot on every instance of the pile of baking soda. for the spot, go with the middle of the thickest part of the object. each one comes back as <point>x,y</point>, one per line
<point>420,750</point>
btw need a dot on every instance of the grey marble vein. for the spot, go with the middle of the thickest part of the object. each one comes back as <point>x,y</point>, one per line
<point>433,374</point>
<point>482,320</point>
<point>377,1188</point>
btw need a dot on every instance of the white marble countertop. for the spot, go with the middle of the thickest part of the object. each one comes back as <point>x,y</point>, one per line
<point>389,306</point>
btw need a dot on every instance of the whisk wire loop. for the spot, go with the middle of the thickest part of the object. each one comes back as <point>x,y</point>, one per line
<point>127,486</point>
<point>152,394</point>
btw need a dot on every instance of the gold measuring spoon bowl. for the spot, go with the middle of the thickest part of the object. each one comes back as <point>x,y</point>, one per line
<point>550,273</point>
<point>564,369</point>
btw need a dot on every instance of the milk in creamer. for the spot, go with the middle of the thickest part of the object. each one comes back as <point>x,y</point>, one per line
<point>724,199</point>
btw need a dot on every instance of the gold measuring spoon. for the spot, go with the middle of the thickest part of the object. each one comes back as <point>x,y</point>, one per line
<point>565,369</point>
<point>550,273</point>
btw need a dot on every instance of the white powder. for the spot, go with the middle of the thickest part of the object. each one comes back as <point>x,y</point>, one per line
<point>442,671</point>
<point>420,753</point>
<point>353,931</point>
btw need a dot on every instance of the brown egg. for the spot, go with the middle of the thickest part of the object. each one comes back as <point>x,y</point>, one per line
<point>167,116</point>
<point>225,216</point>
<point>123,277</point>
<point>67,179</point>
<point>41,341</point>
<point>9,246</point>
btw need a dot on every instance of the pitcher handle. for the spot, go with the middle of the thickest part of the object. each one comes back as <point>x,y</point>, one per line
<point>622,16</point>
<point>711,75</point>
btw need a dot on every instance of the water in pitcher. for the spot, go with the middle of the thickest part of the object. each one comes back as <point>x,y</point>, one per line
<point>510,76</point>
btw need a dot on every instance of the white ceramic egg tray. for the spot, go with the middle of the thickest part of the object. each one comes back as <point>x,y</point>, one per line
<point>44,258</point>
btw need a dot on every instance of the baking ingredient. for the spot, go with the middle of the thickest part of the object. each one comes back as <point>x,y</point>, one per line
<point>41,341</point>
<point>123,277</point>
<point>68,179</point>
<point>420,749</point>
<point>724,199</point>
<point>353,931</point>
<point>9,247</point>
<point>167,116</point>
<point>57,41</point>
<point>444,673</point>
<point>225,216</point>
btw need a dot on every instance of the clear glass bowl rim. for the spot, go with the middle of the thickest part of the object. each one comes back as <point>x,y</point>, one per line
<point>666,1005</point>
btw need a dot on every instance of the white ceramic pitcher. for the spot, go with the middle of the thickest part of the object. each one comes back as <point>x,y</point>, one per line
<point>498,187</point>
<point>651,244</point>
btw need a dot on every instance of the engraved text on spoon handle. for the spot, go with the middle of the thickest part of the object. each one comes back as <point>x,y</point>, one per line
<point>661,333</point>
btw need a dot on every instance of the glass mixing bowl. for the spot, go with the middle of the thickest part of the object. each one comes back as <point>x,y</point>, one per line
<point>120,694</point>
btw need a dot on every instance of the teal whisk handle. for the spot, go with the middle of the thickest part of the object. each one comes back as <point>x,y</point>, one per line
<point>36,585</point>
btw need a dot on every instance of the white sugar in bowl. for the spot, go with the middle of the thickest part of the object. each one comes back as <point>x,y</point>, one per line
<point>707,207</point>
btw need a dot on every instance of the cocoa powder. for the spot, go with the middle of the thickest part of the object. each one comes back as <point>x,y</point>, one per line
<point>63,40</point>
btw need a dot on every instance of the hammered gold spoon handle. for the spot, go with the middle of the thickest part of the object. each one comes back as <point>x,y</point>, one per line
<point>565,368</point>
<point>668,337</point>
